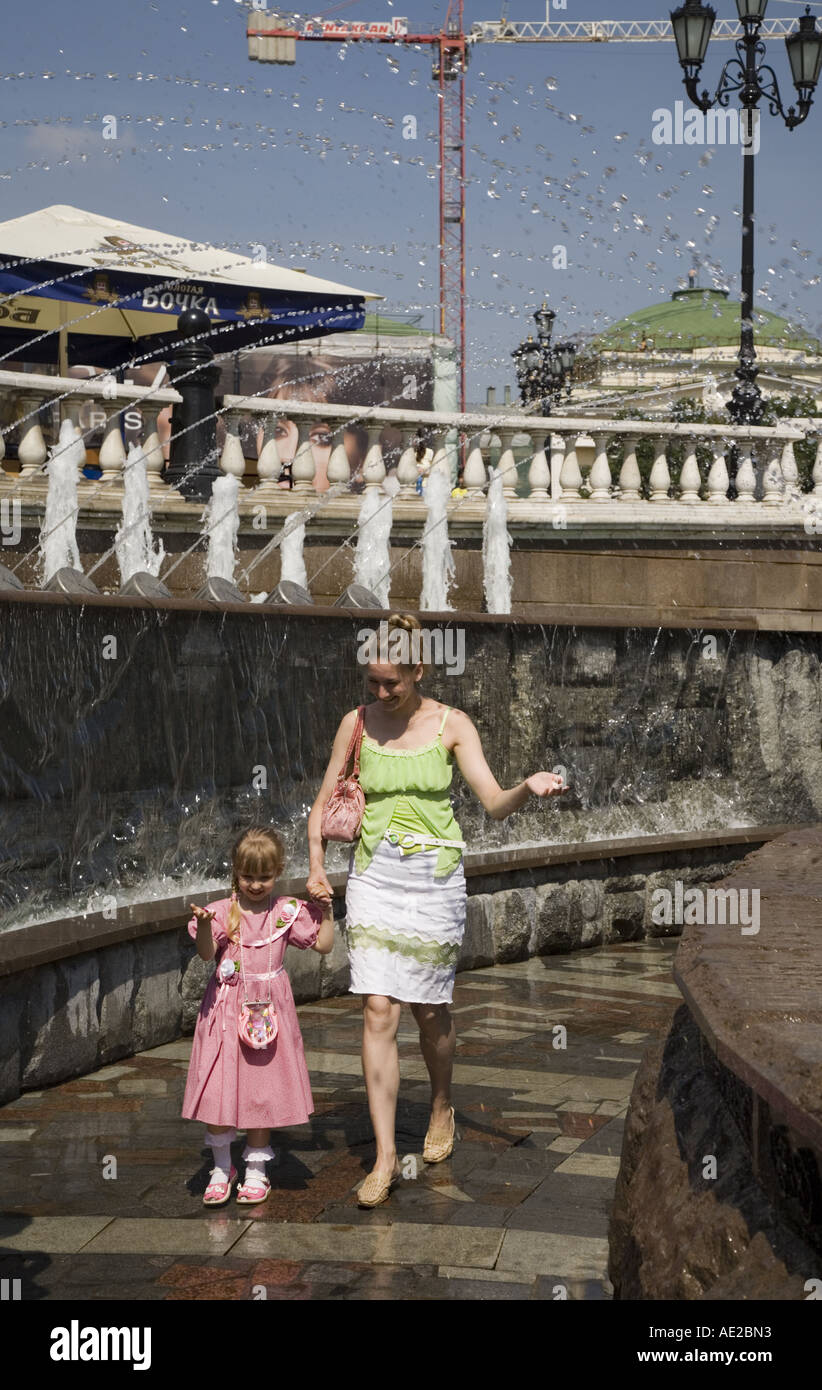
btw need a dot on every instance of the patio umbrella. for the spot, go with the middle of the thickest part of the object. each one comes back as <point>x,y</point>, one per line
<point>107,291</point>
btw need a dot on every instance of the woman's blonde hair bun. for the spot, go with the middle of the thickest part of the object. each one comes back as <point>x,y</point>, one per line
<point>407,622</point>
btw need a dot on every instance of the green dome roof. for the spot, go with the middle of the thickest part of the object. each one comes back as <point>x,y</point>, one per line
<point>700,318</point>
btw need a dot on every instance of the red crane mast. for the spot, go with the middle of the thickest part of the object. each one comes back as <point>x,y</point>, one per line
<point>273,41</point>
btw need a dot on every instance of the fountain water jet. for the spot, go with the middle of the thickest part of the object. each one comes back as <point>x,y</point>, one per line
<point>496,547</point>
<point>134,543</point>
<point>372,562</point>
<point>58,539</point>
<point>438,570</point>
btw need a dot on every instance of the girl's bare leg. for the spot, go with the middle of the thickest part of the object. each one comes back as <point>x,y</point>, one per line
<point>258,1138</point>
<point>381,1069</point>
<point>438,1040</point>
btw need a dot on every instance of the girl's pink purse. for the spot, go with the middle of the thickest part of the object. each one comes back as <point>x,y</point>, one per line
<point>343,811</point>
<point>257,1023</point>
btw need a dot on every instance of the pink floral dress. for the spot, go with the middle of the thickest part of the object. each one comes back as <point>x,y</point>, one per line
<point>227,1083</point>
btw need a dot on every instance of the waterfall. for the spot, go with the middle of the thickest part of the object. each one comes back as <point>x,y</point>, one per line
<point>222,523</point>
<point>58,533</point>
<point>292,563</point>
<point>496,546</point>
<point>437,561</point>
<point>372,561</point>
<point>134,543</point>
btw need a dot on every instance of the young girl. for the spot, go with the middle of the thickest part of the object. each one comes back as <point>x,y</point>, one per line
<point>230,1083</point>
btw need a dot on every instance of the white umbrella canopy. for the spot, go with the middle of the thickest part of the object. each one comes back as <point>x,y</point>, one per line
<point>110,292</point>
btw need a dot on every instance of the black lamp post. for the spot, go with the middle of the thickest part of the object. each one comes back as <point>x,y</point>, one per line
<point>753,79</point>
<point>544,369</point>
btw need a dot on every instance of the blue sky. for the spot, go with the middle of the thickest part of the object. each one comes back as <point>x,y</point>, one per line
<point>310,160</point>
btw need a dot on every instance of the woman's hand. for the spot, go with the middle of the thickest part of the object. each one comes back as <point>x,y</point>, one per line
<point>318,887</point>
<point>546,784</point>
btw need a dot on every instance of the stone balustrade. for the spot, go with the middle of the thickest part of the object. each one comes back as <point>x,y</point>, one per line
<point>548,465</point>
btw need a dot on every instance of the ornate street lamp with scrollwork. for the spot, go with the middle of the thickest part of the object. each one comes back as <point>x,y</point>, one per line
<point>754,80</point>
<point>544,369</point>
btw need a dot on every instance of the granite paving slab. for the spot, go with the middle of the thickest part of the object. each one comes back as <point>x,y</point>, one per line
<point>519,1208</point>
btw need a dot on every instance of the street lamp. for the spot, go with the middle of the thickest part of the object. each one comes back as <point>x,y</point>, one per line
<point>692,24</point>
<point>544,369</point>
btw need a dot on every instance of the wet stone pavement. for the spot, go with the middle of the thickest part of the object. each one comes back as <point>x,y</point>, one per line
<point>520,1207</point>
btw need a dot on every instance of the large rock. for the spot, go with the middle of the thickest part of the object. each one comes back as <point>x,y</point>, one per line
<point>62,1025</point>
<point>477,948</point>
<point>13,994</point>
<point>158,1008</point>
<point>512,923</point>
<point>116,1001</point>
<point>675,1234</point>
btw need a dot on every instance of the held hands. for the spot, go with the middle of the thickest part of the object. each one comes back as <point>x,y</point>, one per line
<point>546,784</point>
<point>318,887</point>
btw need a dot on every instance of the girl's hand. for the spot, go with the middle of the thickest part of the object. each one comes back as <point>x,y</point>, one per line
<point>546,784</point>
<point>318,887</point>
<point>203,914</point>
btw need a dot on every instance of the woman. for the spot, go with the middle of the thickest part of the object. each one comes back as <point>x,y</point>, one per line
<point>405,897</point>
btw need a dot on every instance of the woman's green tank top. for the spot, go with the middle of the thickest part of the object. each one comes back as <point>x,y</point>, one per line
<point>407,789</point>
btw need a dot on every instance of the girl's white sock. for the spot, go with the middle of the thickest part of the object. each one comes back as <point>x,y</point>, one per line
<point>220,1145</point>
<point>255,1161</point>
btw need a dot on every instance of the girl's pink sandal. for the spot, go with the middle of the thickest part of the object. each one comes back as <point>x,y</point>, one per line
<point>218,1193</point>
<point>253,1192</point>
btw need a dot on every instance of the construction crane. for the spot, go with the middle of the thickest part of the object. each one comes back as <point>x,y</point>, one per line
<point>272,38</point>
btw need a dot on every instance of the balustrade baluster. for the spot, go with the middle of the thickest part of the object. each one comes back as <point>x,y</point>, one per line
<point>303,468</point>
<point>790,472</point>
<point>112,457</point>
<point>232,460</point>
<point>269,464</point>
<point>690,479</point>
<point>817,470</point>
<point>374,467</point>
<point>600,479</point>
<point>31,451</point>
<point>339,468</point>
<point>152,450</point>
<point>507,463</point>
<point>660,473</point>
<point>475,476</point>
<point>773,483</point>
<point>630,479</point>
<point>539,473</point>
<point>557,461</point>
<point>570,477</point>
<point>718,479</point>
<point>407,474</point>
<point>745,481</point>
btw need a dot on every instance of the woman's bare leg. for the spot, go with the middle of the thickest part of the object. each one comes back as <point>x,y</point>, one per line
<point>438,1040</point>
<point>381,1068</point>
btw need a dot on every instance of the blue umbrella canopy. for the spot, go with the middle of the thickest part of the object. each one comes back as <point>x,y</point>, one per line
<point>109,293</point>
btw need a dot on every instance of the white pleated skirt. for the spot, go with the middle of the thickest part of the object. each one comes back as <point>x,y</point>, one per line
<point>403,927</point>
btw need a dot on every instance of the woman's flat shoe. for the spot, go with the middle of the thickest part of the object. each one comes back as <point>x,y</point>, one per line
<point>439,1144</point>
<point>218,1193</point>
<point>376,1188</point>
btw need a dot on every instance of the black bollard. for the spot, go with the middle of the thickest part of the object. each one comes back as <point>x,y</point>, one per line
<point>193,462</point>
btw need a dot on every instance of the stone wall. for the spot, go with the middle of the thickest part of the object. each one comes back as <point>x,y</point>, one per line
<point>719,1194</point>
<point>136,741</point>
<point>65,1018</point>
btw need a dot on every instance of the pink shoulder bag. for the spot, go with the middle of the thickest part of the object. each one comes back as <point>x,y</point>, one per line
<point>343,811</point>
